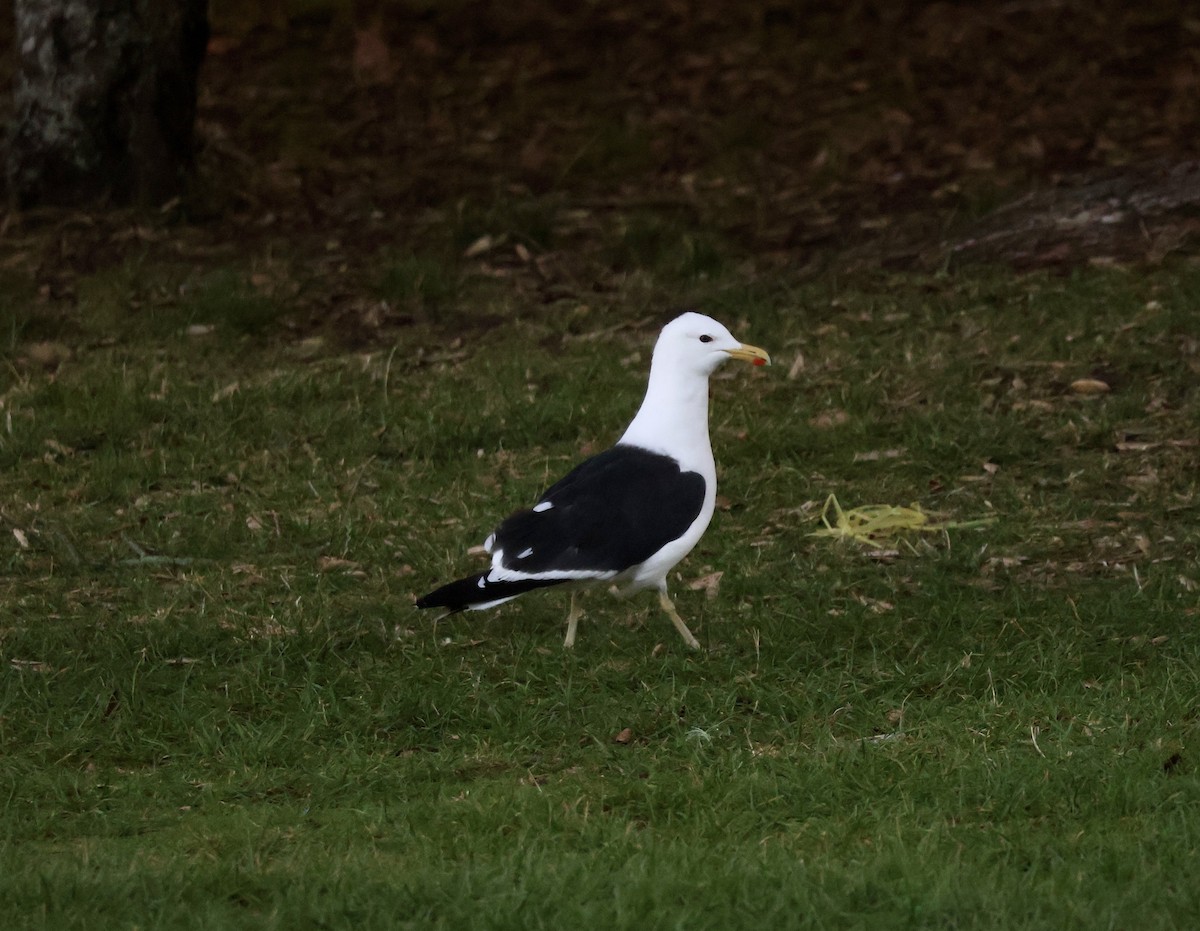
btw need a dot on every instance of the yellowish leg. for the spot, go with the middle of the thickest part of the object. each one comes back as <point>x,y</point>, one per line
<point>669,607</point>
<point>573,617</point>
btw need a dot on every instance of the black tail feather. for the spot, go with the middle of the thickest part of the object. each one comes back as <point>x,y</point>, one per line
<point>465,593</point>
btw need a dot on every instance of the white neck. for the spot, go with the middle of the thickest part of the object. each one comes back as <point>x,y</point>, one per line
<point>673,418</point>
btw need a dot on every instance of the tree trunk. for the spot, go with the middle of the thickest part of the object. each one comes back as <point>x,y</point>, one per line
<point>105,100</point>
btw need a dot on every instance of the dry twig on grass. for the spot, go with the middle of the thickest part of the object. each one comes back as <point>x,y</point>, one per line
<point>869,523</point>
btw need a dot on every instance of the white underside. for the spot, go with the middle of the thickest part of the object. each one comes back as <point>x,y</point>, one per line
<point>653,572</point>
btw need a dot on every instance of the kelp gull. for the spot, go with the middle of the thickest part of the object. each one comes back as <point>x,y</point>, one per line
<point>624,517</point>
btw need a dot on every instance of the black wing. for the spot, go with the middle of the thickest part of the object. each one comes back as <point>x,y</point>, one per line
<point>612,511</point>
<point>477,590</point>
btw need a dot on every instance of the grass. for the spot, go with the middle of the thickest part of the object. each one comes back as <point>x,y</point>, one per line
<point>218,709</point>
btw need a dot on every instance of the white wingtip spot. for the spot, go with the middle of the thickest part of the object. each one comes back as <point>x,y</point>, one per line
<point>525,553</point>
<point>482,583</point>
<point>542,506</point>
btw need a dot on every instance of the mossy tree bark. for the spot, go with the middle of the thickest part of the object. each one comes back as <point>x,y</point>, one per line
<point>105,100</point>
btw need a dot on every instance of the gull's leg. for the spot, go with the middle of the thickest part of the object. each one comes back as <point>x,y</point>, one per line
<point>572,622</point>
<point>669,606</point>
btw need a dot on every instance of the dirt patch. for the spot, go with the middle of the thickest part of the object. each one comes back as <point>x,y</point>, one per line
<point>796,133</point>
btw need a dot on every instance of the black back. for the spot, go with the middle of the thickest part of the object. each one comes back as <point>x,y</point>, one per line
<point>612,511</point>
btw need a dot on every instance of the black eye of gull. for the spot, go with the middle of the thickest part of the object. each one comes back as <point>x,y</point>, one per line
<point>706,339</point>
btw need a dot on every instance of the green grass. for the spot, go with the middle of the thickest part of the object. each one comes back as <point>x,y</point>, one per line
<point>219,709</point>
<point>417,280</point>
<point>650,243</point>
